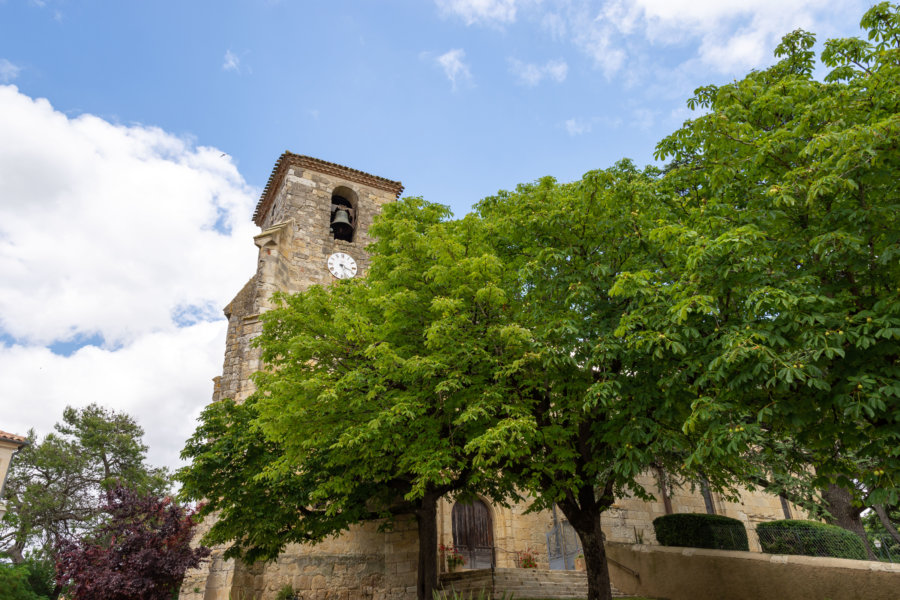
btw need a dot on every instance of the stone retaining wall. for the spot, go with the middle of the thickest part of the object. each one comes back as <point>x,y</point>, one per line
<point>700,574</point>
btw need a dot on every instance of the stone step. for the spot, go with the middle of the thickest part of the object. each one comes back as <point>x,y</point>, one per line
<point>521,583</point>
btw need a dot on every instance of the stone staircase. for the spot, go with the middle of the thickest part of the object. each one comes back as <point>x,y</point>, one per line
<point>521,583</point>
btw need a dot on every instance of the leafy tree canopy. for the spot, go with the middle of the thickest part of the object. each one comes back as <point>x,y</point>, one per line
<point>56,485</point>
<point>373,390</point>
<point>567,337</point>
<point>783,277</point>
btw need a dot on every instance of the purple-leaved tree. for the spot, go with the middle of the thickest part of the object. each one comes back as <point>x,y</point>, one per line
<point>141,553</point>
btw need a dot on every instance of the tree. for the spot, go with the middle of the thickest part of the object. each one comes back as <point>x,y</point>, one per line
<point>57,485</point>
<point>141,553</point>
<point>595,410</point>
<point>371,392</point>
<point>785,259</point>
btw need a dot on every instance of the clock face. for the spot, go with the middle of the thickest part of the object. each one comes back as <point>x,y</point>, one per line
<point>342,265</point>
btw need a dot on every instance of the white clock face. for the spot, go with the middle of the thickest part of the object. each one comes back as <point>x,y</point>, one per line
<point>342,265</point>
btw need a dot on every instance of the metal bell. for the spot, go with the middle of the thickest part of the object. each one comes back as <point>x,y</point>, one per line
<point>341,225</point>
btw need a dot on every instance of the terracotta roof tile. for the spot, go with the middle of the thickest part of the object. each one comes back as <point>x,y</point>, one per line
<point>11,437</point>
<point>288,159</point>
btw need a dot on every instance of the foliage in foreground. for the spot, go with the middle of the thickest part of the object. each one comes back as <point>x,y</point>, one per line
<point>375,390</point>
<point>780,299</point>
<point>14,583</point>
<point>141,553</point>
<point>697,530</point>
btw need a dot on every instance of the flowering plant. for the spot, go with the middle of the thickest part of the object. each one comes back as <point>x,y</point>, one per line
<point>454,557</point>
<point>525,559</point>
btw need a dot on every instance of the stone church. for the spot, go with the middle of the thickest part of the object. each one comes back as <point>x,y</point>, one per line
<point>314,216</point>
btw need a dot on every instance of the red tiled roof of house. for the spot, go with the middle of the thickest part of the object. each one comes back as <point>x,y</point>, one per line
<point>11,437</point>
<point>289,159</point>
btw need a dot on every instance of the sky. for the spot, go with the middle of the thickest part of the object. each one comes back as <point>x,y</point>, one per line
<point>136,137</point>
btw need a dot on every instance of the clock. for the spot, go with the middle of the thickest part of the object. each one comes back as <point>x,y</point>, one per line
<point>342,265</point>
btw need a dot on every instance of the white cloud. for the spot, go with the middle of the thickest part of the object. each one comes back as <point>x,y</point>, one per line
<point>531,74</point>
<point>480,11</point>
<point>725,36</point>
<point>555,25</point>
<point>231,62</point>
<point>454,68</point>
<point>644,118</point>
<point>162,380</point>
<point>8,71</point>
<point>128,233</point>
<point>731,36</point>
<point>577,126</point>
<point>106,229</point>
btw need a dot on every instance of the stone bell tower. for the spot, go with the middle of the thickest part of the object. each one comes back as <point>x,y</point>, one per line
<point>315,218</point>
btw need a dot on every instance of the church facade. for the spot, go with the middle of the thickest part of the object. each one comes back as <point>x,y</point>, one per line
<point>314,216</point>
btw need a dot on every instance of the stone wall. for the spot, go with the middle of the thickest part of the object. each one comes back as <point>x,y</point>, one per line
<point>699,574</point>
<point>362,563</point>
<point>630,520</point>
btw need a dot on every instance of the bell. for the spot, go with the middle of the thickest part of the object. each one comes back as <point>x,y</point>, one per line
<point>341,226</point>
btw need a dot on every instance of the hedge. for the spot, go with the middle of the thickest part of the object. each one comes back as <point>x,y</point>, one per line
<point>697,530</point>
<point>809,538</point>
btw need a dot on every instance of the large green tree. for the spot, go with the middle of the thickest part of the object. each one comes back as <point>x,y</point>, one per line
<point>596,412</point>
<point>477,356</point>
<point>371,392</point>
<point>786,259</point>
<point>57,484</point>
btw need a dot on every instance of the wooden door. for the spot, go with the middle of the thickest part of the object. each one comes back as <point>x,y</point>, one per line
<point>473,534</point>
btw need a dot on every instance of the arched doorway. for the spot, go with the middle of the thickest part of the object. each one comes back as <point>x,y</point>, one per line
<point>473,534</point>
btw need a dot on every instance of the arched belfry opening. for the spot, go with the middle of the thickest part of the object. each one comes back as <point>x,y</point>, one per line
<point>343,214</point>
<point>473,534</point>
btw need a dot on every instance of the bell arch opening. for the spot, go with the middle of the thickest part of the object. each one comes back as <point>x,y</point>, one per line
<point>344,202</point>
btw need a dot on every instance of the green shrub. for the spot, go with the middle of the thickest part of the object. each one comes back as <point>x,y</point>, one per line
<point>809,538</point>
<point>14,583</point>
<point>696,530</point>
<point>285,593</point>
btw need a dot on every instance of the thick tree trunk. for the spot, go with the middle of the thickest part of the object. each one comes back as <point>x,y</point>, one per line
<point>886,522</point>
<point>426,574</point>
<point>839,503</point>
<point>587,526</point>
<point>599,585</point>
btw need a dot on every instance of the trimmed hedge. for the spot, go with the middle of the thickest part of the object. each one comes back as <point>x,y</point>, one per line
<point>698,530</point>
<point>809,538</point>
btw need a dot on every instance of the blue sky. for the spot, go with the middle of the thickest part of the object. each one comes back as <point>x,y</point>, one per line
<point>135,138</point>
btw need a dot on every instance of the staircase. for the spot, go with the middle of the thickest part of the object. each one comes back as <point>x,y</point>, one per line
<point>521,583</point>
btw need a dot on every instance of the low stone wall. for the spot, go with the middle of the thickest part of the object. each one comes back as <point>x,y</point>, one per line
<point>498,583</point>
<point>317,577</point>
<point>699,574</point>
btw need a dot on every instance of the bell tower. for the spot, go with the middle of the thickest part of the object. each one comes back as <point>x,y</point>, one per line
<point>315,217</point>
<point>310,211</point>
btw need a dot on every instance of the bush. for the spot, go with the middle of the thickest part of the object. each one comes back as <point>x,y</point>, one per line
<point>14,583</point>
<point>809,538</point>
<point>696,530</point>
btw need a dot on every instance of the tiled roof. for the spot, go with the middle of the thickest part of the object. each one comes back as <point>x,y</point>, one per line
<point>11,437</point>
<point>289,159</point>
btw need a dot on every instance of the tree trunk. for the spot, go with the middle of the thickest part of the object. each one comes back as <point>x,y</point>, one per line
<point>886,522</point>
<point>587,526</point>
<point>839,503</point>
<point>15,552</point>
<point>426,574</point>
